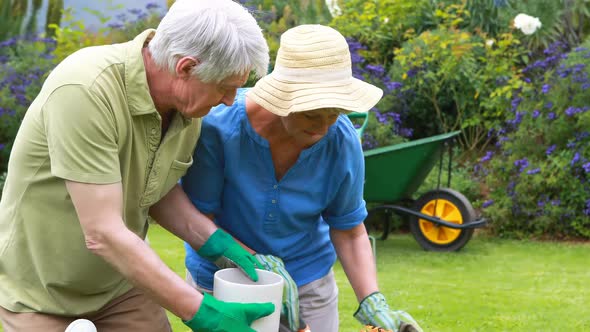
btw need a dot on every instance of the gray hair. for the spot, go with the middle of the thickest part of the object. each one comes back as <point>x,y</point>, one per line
<point>221,34</point>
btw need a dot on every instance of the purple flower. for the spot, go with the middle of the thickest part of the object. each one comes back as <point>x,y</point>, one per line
<point>549,105</point>
<point>575,159</point>
<point>8,42</point>
<point>563,72</point>
<point>517,119</point>
<point>393,85</point>
<point>152,5</point>
<point>570,111</point>
<point>2,145</point>
<point>412,72</point>
<point>535,114</point>
<point>115,25</point>
<point>586,167</point>
<point>533,171</point>
<point>376,69</point>
<point>121,17</point>
<point>545,89</point>
<point>551,116</point>
<point>550,149</point>
<point>406,132</point>
<point>487,203</point>
<point>135,11</point>
<point>487,157</point>
<point>582,136</point>
<point>556,202</point>
<point>515,102</point>
<point>521,164</point>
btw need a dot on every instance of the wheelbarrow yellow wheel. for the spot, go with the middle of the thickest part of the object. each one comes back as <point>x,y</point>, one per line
<point>448,205</point>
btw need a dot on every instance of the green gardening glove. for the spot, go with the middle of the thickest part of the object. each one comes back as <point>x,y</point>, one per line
<point>374,310</point>
<point>218,316</point>
<point>221,246</point>
<point>290,309</point>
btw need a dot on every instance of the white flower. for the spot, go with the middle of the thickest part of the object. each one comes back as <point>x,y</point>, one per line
<point>386,20</point>
<point>333,7</point>
<point>527,24</point>
<point>489,42</point>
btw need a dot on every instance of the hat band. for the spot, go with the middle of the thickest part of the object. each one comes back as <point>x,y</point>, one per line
<point>304,75</point>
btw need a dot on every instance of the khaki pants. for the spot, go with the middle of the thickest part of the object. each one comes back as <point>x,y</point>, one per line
<point>318,302</point>
<point>132,311</point>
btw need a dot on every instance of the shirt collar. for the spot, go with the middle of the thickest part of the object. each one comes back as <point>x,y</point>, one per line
<point>138,93</point>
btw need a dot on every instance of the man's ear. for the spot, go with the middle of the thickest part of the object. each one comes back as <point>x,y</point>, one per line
<point>185,65</point>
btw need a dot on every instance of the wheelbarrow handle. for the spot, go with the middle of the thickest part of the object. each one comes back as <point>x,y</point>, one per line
<point>365,117</point>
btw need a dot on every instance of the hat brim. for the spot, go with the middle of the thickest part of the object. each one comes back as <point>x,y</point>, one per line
<point>283,98</point>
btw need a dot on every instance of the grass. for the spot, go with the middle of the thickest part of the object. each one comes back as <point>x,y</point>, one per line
<point>491,285</point>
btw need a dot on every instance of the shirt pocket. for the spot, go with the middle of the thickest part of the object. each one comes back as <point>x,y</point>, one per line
<point>176,171</point>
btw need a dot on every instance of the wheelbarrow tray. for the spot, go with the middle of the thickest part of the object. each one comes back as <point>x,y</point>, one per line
<point>394,173</point>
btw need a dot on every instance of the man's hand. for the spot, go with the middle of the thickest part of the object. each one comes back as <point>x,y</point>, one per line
<point>218,316</point>
<point>374,310</point>
<point>220,244</point>
<point>290,309</point>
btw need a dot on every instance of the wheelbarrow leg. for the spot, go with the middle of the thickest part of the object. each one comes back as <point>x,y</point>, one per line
<point>374,247</point>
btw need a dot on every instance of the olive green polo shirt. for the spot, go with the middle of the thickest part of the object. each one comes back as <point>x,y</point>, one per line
<point>93,122</point>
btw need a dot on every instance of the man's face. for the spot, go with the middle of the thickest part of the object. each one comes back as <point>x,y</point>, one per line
<point>195,98</point>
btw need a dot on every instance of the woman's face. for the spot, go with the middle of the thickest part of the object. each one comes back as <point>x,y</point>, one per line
<point>307,128</point>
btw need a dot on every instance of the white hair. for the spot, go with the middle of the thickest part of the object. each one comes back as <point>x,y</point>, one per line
<point>221,34</point>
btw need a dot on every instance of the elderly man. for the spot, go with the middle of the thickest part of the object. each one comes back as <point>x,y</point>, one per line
<point>100,150</point>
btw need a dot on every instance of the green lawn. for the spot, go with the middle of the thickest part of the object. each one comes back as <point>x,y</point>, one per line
<point>491,285</point>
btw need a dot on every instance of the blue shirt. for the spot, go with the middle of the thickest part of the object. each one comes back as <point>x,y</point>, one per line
<point>233,178</point>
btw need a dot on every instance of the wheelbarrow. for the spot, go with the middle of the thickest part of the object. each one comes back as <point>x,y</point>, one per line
<point>441,219</point>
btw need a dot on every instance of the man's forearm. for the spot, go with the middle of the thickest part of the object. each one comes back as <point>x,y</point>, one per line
<point>176,213</point>
<point>99,211</point>
<point>131,256</point>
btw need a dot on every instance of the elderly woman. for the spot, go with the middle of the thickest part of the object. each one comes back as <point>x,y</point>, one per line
<point>282,171</point>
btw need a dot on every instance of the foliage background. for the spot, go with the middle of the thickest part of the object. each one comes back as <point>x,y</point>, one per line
<point>443,65</point>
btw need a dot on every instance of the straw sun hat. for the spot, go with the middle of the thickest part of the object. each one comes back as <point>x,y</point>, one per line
<point>313,71</point>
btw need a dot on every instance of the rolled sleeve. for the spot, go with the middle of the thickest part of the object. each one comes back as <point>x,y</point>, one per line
<point>348,208</point>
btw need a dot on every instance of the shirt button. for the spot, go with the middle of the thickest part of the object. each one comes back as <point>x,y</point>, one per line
<point>274,201</point>
<point>275,186</point>
<point>270,215</point>
<point>154,131</point>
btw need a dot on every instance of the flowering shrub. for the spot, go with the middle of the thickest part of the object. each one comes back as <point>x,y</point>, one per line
<point>24,64</point>
<point>385,125</point>
<point>382,25</point>
<point>561,21</point>
<point>456,79</point>
<point>539,173</point>
<point>73,35</point>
